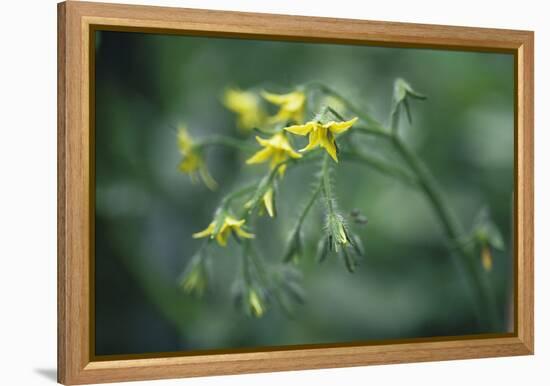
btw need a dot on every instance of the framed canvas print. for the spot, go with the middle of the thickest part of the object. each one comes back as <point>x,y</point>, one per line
<point>246,192</point>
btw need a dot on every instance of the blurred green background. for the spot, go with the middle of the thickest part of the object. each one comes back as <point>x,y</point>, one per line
<point>146,210</point>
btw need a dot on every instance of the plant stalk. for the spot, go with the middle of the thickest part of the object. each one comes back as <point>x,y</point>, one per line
<point>484,300</point>
<point>227,142</point>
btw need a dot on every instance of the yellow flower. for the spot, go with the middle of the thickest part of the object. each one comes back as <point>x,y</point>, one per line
<point>267,200</point>
<point>292,106</point>
<point>256,304</point>
<point>185,142</point>
<point>486,257</point>
<point>277,149</point>
<point>192,163</point>
<point>247,107</point>
<point>322,134</point>
<point>229,225</point>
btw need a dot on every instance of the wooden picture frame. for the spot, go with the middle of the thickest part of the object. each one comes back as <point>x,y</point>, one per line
<point>76,22</point>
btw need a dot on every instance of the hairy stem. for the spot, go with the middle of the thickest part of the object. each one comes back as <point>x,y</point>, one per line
<point>308,206</point>
<point>326,184</point>
<point>237,193</point>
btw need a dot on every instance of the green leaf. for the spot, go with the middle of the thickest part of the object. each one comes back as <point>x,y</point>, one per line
<point>323,248</point>
<point>349,259</point>
<point>294,247</point>
<point>357,245</point>
<point>402,89</point>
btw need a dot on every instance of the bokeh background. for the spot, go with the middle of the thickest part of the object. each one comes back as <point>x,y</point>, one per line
<point>146,210</point>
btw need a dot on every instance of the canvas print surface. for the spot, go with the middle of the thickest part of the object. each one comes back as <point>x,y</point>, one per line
<point>257,194</point>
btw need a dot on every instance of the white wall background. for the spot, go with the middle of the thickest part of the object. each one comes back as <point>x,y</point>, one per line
<point>28,190</point>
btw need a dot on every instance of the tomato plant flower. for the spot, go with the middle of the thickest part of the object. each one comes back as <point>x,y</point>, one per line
<point>222,231</point>
<point>192,162</point>
<point>292,106</point>
<point>247,106</point>
<point>322,134</point>
<point>277,149</point>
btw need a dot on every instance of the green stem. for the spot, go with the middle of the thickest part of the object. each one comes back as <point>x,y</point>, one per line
<point>428,185</point>
<point>259,264</point>
<point>395,116</point>
<point>328,90</point>
<point>453,230</point>
<point>378,131</point>
<point>237,193</point>
<point>326,185</point>
<point>245,263</point>
<point>308,206</point>
<point>260,269</point>
<point>227,142</point>
<point>484,300</point>
<point>374,128</point>
<point>381,166</point>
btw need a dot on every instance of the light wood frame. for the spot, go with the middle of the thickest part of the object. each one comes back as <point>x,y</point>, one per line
<point>76,20</point>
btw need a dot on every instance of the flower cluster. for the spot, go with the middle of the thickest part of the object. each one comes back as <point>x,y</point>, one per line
<point>276,149</point>
<point>329,122</point>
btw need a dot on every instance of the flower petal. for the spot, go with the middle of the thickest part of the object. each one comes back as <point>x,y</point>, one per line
<point>301,129</point>
<point>295,101</point>
<point>207,178</point>
<point>261,156</point>
<point>185,142</point>
<point>278,157</point>
<point>486,258</point>
<point>330,146</point>
<point>276,99</point>
<point>233,222</point>
<point>268,202</point>
<point>262,141</point>
<point>293,154</point>
<point>340,127</point>
<point>206,232</point>
<point>221,237</point>
<point>244,234</point>
<point>313,140</point>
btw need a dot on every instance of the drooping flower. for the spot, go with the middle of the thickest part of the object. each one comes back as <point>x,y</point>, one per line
<point>292,106</point>
<point>267,200</point>
<point>276,149</point>
<point>247,106</point>
<point>222,231</point>
<point>195,279</point>
<point>192,162</point>
<point>337,231</point>
<point>487,238</point>
<point>256,303</point>
<point>486,257</point>
<point>322,134</point>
